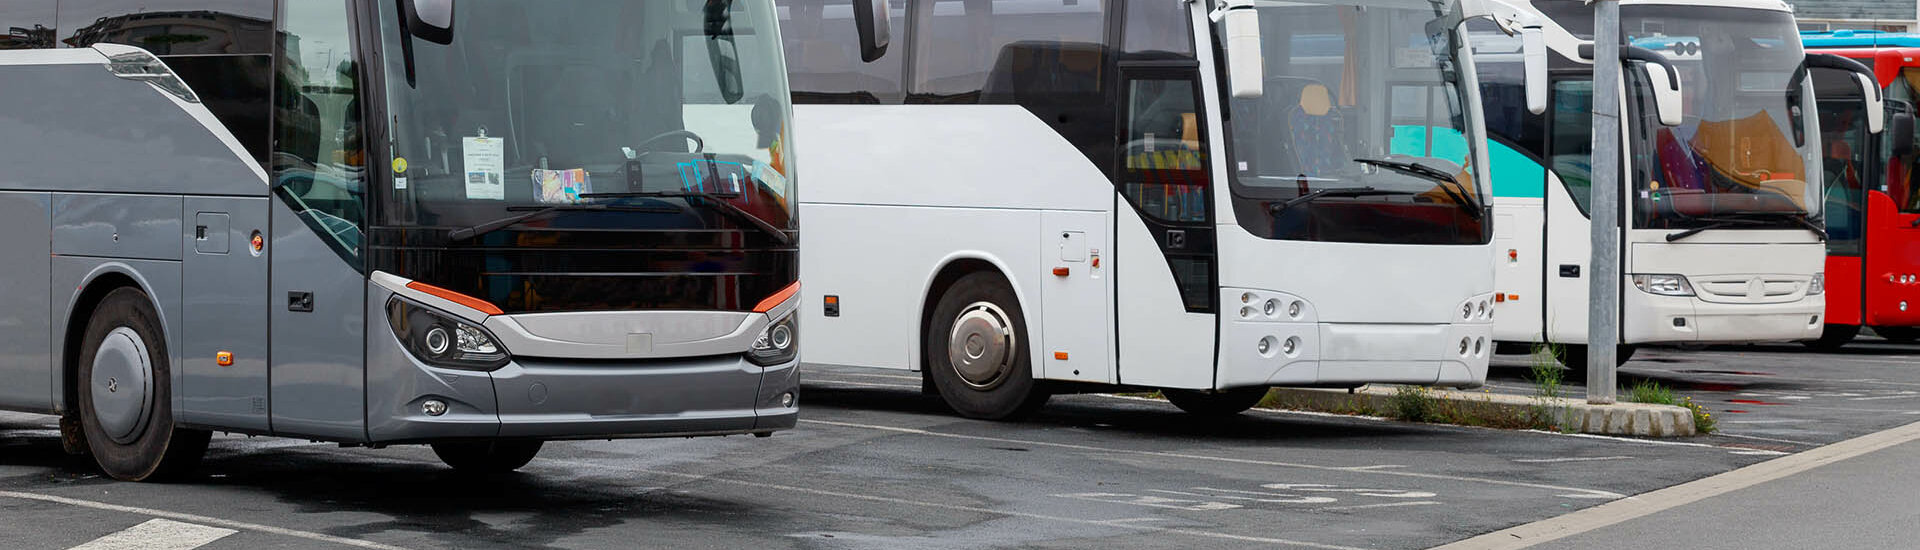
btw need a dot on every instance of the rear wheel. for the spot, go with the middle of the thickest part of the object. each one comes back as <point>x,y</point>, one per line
<point>487,457</point>
<point>977,351</point>
<point>1903,335</point>
<point>1216,403</point>
<point>1833,337</point>
<point>1574,356</point>
<point>125,394</point>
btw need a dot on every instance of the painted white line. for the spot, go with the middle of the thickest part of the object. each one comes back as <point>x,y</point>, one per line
<point>1768,439</point>
<point>1375,467</point>
<point>1189,456</point>
<point>1628,439</point>
<point>1910,395</point>
<point>1679,495</point>
<point>1382,505</point>
<point>814,381</point>
<point>1570,459</point>
<point>1780,421</point>
<point>1276,412</point>
<point>204,520</point>
<point>158,534</point>
<point>863,375</point>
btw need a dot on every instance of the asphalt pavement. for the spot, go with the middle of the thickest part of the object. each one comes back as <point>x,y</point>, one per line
<point>874,464</point>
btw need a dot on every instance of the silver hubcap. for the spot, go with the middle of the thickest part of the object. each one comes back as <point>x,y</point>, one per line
<point>981,346</point>
<point>122,385</point>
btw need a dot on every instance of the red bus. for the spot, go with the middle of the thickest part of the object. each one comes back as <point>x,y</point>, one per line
<point>1873,209</point>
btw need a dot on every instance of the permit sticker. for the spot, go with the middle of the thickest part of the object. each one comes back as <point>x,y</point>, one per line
<point>399,182</point>
<point>561,186</point>
<point>486,161</point>
<point>400,165</point>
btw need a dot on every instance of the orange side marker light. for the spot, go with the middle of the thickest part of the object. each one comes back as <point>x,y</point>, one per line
<point>1060,356</point>
<point>224,359</point>
<point>1061,272</point>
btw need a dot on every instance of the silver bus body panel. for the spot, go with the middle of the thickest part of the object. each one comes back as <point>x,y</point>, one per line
<point>228,308</point>
<point>627,334</point>
<point>142,227</point>
<point>159,279</point>
<point>317,373</point>
<point>399,384</point>
<point>26,342</point>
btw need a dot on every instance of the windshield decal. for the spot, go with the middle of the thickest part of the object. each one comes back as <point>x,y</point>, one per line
<point>486,167</point>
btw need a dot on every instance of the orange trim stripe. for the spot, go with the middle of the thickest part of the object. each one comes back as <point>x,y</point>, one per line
<point>482,305</point>
<point>777,298</point>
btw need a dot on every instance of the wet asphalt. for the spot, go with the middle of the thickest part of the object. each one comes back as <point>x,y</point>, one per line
<point>874,464</point>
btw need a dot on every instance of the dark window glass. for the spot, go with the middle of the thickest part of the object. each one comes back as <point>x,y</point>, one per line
<point>1158,27</point>
<point>1165,178</point>
<point>1572,143</point>
<point>318,159</point>
<point>1503,90</point>
<point>1845,143</point>
<point>173,27</point>
<point>235,88</point>
<point>27,24</point>
<point>823,54</point>
<point>968,50</point>
<point>1576,16</point>
<point>1903,173</point>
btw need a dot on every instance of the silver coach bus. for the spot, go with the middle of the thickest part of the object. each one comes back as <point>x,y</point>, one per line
<point>480,224</point>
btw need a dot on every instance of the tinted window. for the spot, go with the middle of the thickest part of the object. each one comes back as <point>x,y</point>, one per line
<point>318,159</point>
<point>1847,146</point>
<point>235,88</point>
<point>1158,27</point>
<point>823,54</point>
<point>1573,138</point>
<point>969,48</point>
<point>172,27</point>
<point>27,24</point>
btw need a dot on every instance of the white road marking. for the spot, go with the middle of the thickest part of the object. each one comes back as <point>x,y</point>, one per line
<point>1188,456</point>
<point>205,520</point>
<point>866,375</point>
<point>1679,495</point>
<point>1628,439</point>
<point>1903,395</point>
<point>860,384</point>
<point>1767,439</point>
<point>1570,459</point>
<point>1154,501</point>
<point>1268,498</point>
<point>1381,505</point>
<point>1376,467</point>
<point>158,534</point>
<point>1778,421</point>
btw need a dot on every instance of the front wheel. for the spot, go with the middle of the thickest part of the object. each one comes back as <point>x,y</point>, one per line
<point>1899,335</point>
<point>978,353</point>
<point>126,394</point>
<point>487,457</point>
<point>1216,404</point>
<point>1833,337</point>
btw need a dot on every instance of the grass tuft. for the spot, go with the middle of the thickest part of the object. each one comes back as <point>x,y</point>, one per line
<point>1648,391</point>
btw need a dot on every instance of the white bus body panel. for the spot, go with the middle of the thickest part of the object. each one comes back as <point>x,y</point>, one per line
<point>1519,234</point>
<point>1161,344</point>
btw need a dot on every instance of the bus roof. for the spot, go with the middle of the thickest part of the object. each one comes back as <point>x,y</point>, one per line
<point>1859,39</point>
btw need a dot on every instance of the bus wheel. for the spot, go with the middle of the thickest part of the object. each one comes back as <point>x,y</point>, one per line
<point>1574,356</point>
<point>1215,404</point>
<point>1833,337</point>
<point>487,457</point>
<point>977,351</point>
<point>126,394</point>
<point>1900,335</point>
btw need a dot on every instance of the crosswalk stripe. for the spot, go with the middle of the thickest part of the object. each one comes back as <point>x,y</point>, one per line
<point>158,534</point>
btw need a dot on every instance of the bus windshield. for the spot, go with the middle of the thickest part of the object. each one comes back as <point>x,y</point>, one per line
<point>547,139</point>
<point>1361,133</point>
<point>1747,146</point>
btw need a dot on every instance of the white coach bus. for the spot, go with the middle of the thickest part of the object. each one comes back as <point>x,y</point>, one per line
<point>1023,197</point>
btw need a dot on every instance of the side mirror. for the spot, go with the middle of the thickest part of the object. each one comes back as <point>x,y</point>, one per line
<point>1246,70</point>
<point>430,20</point>
<point>1533,51</point>
<point>1877,106</point>
<point>870,17</point>
<point>1667,102</point>
<point>1900,131</point>
<point>1863,75</point>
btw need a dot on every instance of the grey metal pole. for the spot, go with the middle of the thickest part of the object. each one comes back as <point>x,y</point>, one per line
<point>1603,271</point>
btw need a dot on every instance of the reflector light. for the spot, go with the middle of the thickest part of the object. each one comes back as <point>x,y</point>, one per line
<point>224,359</point>
<point>480,305</point>
<point>1061,272</point>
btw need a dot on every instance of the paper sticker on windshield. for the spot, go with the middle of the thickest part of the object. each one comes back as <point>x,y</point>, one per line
<point>486,161</point>
<point>561,186</point>
<point>399,165</point>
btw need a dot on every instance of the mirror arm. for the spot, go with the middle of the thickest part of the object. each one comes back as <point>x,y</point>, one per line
<point>1830,61</point>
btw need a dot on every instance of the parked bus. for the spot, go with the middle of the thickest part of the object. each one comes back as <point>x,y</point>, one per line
<point>1721,195</point>
<point>1022,197</point>
<point>1873,207</point>
<point>479,224</point>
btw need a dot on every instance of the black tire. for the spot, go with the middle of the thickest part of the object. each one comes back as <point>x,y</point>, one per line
<point>147,447</point>
<point>1899,335</point>
<point>1574,356</point>
<point>1833,337</point>
<point>1216,404</point>
<point>995,385</point>
<point>487,457</point>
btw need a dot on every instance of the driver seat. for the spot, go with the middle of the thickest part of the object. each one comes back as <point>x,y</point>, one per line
<point>1317,132</point>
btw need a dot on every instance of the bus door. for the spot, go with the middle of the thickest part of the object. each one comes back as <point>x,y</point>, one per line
<point>1165,250</point>
<point>1569,227</point>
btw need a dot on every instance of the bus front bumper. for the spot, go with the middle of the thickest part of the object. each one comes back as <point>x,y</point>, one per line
<point>1652,319</point>
<point>1308,353</point>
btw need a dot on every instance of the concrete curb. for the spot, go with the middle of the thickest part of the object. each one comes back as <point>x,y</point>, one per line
<point>1633,419</point>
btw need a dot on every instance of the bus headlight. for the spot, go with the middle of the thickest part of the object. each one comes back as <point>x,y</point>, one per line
<point>1663,284</point>
<point>1818,285</point>
<point>779,343</point>
<point>442,340</point>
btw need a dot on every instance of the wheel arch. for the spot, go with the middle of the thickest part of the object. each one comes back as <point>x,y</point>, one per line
<point>948,272</point>
<point>103,280</point>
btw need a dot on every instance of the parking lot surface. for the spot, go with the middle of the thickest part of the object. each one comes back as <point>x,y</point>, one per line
<point>874,464</point>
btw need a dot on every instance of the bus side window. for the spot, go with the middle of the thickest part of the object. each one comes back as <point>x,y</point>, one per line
<point>318,158</point>
<point>27,25</point>
<point>823,58</point>
<point>1018,46</point>
<point>171,27</point>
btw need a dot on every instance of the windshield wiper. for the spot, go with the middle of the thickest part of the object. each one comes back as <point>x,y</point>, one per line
<point>537,211</point>
<point>1713,223</point>
<point>1797,218</point>
<point>717,202</point>
<point>1451,186</point>
<point>1279,207</point>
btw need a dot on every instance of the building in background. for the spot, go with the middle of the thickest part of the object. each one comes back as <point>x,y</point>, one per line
<point>1883,15</point>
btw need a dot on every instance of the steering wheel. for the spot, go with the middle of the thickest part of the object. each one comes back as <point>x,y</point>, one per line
<point>699,145</point>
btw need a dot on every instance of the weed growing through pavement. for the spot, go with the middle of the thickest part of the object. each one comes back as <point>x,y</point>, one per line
<point>1648,391</point>
<point>1415,404</point>
<point>1546,371</point>
<point>1703,421</point>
